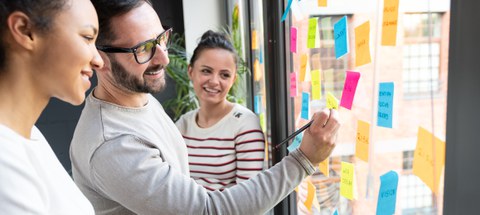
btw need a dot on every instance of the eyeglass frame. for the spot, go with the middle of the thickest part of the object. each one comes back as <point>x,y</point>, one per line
<point>111,49</point>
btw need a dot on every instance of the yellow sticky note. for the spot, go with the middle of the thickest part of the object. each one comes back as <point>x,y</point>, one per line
<point>322,3</point>
<point>362,44</point>
<point>429,158</point>
<point>303,66</point>
<point>263,122</point>
<point>312,33</point>
<point>389,24</point>
<point>254,40</point>
<point>346,180</point>
<point>332,102</point>
<point>310,195</point>
<point>316,85</point>
<point>324,167</point>
<point>257,73</point>
<point>363,140</point>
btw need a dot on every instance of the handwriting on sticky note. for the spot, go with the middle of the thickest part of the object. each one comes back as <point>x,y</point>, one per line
<point>305,105</point>
<point>324,167</point>
<point>346,180</point>
<point>293,39</point>
<point>429,158</point>
<point>385,104</point>
<point>293,84</point>
<point>362,44</point>
<point>387,195</point>
<point>316,85</point>
<point>389,24</point>
<point>349,89</point>
<point>312,32</point>
<point>340,31</point>
<point>332,102</point>
<point>303,66</point>
<point>363,140</point>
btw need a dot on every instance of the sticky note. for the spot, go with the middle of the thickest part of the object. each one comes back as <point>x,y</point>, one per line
<point>316,85</point>
<point>296,142</point>
<point>257,103</point>
<point>332,102</point>
<point>303,66</point>
<point>263,122</point>
<point>346,180</point>
<point>310,195</point>
<point>293,39</point>
<point>363,140</point>
<point>429,159</point>
<point>322,3</point>
<point>257,72</point>
<point>305,105</point>
<point>389,24</point>
<point>324,167</point>
<point>254,40</point>
<point>326,26</point>
<point>293,84</point>
<point>260,56</point>
<point>362,44</point>
<point>284,16</point>
<point>387,195</point>
<point>340,31</point>
<point>312,33</point>
<point>349,89</point>
<point>335,212</point>
<point>385,104</point>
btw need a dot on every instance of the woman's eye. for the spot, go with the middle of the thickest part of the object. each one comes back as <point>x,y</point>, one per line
<point>205,71</point>
<point>226,76</point>
<point>89,38</point>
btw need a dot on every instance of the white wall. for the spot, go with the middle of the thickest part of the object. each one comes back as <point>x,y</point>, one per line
<point>200,16</point>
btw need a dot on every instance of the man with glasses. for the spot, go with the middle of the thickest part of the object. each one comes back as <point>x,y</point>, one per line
<point>128,156</point>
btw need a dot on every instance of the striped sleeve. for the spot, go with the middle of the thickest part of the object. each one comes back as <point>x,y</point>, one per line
<point>250,149</point>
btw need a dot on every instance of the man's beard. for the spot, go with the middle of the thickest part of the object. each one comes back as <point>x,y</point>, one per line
<point>134,84</point>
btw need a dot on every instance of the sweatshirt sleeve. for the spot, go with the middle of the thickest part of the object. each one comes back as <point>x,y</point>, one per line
<point>133,173</point>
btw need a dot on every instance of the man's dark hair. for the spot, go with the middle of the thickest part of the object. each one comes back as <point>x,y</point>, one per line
<point>213,40</point>
<point>41,12</point>
<point>108,9</point>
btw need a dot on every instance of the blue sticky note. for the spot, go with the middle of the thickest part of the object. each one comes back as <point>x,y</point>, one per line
<point>385,104</point>
<point>387,196</point>
<point>257,104</point>
<point>305,105</point>
<point>335,212</point>
<point>260,56</point>
<point>296,142</point>
<point>286,10</point>
<point>340,31</point>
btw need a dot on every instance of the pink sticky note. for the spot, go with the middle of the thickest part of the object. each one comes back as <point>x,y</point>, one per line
<point>349,89</point>
<point>293,39</point>
<point>293,84</point>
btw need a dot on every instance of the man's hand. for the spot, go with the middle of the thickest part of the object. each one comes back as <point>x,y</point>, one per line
<point>319,139</point>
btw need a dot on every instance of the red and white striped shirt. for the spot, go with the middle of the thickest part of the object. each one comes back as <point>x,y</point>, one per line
<point>226,153</point>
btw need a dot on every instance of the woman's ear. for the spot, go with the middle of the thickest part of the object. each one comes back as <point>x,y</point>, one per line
<point>190,71</point>
<point>21,29</point>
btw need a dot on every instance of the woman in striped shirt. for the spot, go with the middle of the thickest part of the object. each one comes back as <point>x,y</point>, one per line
<point>224,140</point>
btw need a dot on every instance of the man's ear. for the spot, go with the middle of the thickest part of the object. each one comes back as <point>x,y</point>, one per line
<point>107,66</point>
<point>20,27</point>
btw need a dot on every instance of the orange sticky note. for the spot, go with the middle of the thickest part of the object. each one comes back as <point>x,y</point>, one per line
<point>322,3</point>
<point>324,167</point>
<point>429,158</point>
<point>363,140</point>
<point>389,24</point>
<point>303,66</point>
<point>257,73</point>
<point>362,44</point>
<point>254,40</point>
<point>332,102</point>
<point>316,85</point>
<point>310,195</point>
<point>346,180</point>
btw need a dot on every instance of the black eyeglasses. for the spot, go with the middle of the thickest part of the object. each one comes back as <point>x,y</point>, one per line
<point>144,51</point>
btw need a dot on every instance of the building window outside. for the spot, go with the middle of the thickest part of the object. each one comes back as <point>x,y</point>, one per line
<point>421,54</point>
